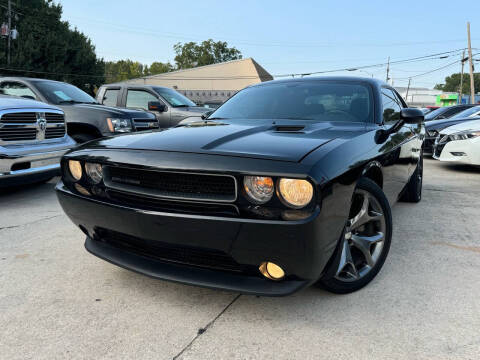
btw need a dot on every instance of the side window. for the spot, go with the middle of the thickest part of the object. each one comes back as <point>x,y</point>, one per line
<point>110,97</point>
<point>16,89</point>
<point>139,99</point>
<point>391,108</point>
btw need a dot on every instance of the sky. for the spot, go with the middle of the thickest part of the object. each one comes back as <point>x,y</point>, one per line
<point>290,37</point>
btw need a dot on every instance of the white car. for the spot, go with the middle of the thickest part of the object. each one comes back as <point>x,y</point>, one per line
<point>460,143</point>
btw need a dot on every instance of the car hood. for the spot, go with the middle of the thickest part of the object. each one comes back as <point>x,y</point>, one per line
<point>285,141</point>
<point>473,125</point>
<point>443,123</point>
<point>107,110</point>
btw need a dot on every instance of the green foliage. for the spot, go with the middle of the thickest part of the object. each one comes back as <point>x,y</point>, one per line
<point>48,44</point>
<point>159,68</point>
<point>452,83</point>
<point>208,52</point>
<point>116,71</point>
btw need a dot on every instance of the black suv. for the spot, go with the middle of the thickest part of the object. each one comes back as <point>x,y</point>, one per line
<point>86,119</point>
<point>169,106</point>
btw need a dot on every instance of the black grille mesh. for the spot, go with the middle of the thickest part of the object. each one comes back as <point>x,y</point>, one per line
<point>170,253</point>
<point>175,185</point>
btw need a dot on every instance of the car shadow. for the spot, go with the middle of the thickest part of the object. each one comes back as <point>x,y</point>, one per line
<point>28,189</point>
<point>465,168</point>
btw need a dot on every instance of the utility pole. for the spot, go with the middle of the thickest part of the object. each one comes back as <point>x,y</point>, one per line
<point>9,30</point>
<point>472,84</point>
<point>388,68</point>
<point>408,88</point>
<point>461,79</point>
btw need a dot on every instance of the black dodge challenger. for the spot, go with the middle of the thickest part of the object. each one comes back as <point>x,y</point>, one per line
<point>287,184</point>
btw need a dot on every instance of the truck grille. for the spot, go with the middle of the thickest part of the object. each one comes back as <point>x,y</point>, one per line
<point>157,250</point>
<point>145,124</point>
<point>172,185</point>
<point>28,126</point>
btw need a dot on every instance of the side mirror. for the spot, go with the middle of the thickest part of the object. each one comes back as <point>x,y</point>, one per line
<point>156,106</point>
<point>412,116</point>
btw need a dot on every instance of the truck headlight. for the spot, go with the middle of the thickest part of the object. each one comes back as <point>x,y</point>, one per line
<point>119,125</point>
<point>259,189</point>
<point>94,172</point>
<point>295,193</point>
<point>75,168</point>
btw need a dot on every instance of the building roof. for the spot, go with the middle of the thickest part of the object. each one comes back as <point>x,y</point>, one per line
<point>230,75</point>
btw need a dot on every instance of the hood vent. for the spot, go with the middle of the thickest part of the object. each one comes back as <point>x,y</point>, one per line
<point>289,128</point>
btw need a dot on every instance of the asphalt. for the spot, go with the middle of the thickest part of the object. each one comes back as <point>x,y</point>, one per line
<point>57,301</point>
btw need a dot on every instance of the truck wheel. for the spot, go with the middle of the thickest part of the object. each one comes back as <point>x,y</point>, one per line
<point>82,137</point>
<point>365,241</point>
<point>413,190</point>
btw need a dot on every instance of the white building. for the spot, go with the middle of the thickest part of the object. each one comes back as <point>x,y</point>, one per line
<point>419,97</point>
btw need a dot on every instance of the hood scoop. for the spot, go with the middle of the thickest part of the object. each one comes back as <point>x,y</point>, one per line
<point>289,128</point>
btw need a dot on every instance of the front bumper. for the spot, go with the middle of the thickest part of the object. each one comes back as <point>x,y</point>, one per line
<point>463,151</point>
<point>20,163</point>
<point>301,248</point>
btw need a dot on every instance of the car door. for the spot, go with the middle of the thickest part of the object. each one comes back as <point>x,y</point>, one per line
<point>397,148</point>
<point>139,99</point>
<point>111,96</point>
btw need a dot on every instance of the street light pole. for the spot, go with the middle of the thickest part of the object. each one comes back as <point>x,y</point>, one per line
<point>9,30</point>
<point>472,83</point>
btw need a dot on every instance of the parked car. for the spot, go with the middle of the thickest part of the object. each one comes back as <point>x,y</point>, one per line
<point>429,109</point>
<point>287,184</point>
<point>434,127</point>
<point>169,106</point>
<point>32,141</point>
<point>446,112</point>
<point>460,143</point>
<point>86,118</point>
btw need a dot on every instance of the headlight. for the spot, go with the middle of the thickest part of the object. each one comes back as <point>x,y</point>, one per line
<point>94,172</point>
<point>295,193</point>
<point>75,168</point>
<point>119,125</point>
<point>465,135</point>
<point>258,188</point>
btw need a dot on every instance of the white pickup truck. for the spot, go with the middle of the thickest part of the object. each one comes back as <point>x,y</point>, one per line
<point>33,138</point>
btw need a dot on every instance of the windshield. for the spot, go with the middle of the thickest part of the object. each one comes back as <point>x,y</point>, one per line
<point>174,98</point>
<point>312,100</point>
<point>435,113</point>
<point>62,93</point>
<point>467,113</point>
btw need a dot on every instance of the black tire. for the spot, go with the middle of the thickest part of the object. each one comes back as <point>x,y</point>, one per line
<point>82,137</point>
<point>331,282</point>
<point>413,190</point>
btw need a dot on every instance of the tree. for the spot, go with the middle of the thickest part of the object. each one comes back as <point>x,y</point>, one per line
<point>452,83</point>
<point>47,47</point>
<point>208,52</point>
<point>121,70</point>
<point>159,68</point>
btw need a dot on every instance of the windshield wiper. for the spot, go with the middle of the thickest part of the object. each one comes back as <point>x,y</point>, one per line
<point>216,118</point>
<point>69,102</point>
<point>183,105</point>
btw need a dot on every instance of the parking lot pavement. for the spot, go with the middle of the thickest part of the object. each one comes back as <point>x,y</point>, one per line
<point>57,301</point>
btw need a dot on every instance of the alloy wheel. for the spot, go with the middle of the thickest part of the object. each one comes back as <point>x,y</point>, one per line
<point>364,238</point>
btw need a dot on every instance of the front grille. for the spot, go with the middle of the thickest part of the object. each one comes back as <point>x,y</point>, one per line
<point>54,118</point>
<point>172,185</point>
<point>14,133</point>
<point>145,124</point>
<point>19,118</point>
<point>149,203</point>
<point>157,250</point>
<point>23,126</point>
<point>440,143</point>
<point>56,132</point>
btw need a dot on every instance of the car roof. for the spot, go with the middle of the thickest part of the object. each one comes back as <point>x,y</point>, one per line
<point>372,81</point>
<point>28,79</point>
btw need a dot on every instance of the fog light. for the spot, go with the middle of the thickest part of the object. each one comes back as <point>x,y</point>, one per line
<point>271,271</point>
<point>458,153</point>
